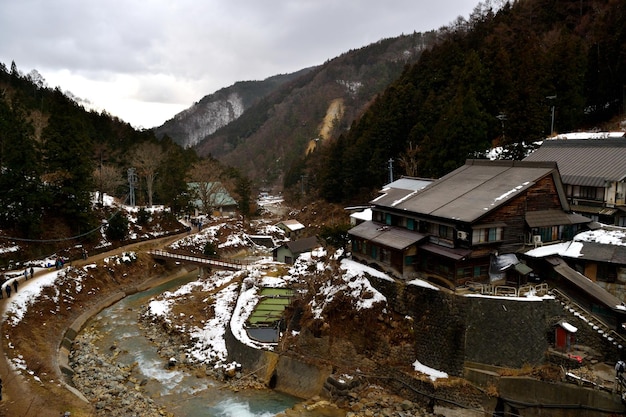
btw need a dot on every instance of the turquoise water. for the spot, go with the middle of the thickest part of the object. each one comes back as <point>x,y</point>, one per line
<point>181,392</point>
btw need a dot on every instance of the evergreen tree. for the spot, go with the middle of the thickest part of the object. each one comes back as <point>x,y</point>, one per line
<point>68,169</point>
<point>20,186</point>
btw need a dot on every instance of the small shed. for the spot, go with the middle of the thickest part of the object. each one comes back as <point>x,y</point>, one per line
<point>564,336</point>
<point>289,251</point>
<point>293,229</point>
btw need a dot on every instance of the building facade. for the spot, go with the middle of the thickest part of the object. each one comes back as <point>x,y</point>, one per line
<point>448,231</point>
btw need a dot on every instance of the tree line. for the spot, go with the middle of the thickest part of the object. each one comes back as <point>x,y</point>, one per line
<point>55,156</point>
<point>505,77</point>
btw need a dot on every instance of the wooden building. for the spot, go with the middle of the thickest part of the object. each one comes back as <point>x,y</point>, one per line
<point>448,231</point>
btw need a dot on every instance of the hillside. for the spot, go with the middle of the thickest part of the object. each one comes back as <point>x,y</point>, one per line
<point>529,70</point>
<point>269,136</point>
<point>56,157</point>
<point>216,110</point>
<point>507,76</point>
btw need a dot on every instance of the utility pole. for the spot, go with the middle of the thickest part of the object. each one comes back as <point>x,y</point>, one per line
<point>132,181</point>
<point>552,123</point>
<point>302,184</point>
<point>390,170</point>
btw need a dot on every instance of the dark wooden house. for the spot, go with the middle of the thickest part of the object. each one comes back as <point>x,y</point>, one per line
<point>448,231</point>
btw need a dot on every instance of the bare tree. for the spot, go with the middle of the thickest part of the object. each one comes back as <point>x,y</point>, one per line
<point>108,178</point>
<point>207,175</point>
<point>147,158</point>
<point>409,160</point>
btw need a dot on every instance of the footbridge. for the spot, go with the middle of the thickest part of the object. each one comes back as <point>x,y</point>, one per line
<point>213,262</point>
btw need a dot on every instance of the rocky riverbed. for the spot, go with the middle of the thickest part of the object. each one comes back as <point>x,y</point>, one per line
<point>109,385</point>
<point>115,392</point>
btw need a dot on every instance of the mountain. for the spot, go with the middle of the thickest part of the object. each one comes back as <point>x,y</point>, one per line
<point>216,110</point>
<point>286,123</point>
<point>504,78</point>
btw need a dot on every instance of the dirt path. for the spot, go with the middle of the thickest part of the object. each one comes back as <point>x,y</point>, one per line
<point>19,396</point>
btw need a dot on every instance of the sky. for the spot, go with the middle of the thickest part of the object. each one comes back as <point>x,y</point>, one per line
<point>145,61</point>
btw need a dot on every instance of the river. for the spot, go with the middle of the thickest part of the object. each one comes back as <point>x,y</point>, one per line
<point>180,391</point>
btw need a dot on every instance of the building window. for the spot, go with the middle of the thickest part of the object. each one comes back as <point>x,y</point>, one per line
<point>549,234</point>
<point>388,219</point>
<point>410,224</point>
<point>464,273</point>
<point>606,273</point>
<point>481,271</point>
<point>488,234</point>
<point>587,193</point>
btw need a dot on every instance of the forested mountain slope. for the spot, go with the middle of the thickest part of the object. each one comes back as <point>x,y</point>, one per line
<point>493,80</point>
<point>269,136</point>
<point>216,110</point>
<point>54,155</point>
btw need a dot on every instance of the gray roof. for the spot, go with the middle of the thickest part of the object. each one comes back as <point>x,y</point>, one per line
<point>603,253</point>
<point>585,284</point>
<point>473,190</point>
<point>302,245</point>
<point>544,218</point>
<point>586,162</point>
<point>409,183</point>
<point>389,236</point>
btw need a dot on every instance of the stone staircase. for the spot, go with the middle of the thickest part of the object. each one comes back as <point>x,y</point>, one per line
<point>595,323</point>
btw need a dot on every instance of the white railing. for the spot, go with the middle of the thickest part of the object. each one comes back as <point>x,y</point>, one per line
<point>212,261</point>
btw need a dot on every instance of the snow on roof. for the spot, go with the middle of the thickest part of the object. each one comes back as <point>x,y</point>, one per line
<point>291,224</point>
<point>606,235</point>
<point>588,135</point>
<point>365,215</point>
<point>568,327</point>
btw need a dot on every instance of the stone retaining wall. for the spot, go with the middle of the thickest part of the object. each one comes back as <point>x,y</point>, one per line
<point>286,374</point>
<point>452,329</point>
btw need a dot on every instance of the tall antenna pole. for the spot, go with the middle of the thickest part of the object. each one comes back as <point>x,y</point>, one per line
<point>132,181</point>
<point>390,170</point>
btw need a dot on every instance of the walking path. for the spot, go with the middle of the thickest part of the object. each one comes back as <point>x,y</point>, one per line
<point>19,397</point>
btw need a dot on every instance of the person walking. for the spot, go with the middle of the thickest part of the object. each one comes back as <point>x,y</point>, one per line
<point>8,290</point>
<point>32,272</point>
<point>15,284</point>
<point>25,274</point>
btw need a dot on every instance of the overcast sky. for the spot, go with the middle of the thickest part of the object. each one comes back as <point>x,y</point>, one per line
<point>146,60</point>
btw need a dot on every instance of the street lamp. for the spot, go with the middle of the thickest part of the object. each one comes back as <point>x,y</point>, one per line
<point>552,123</point>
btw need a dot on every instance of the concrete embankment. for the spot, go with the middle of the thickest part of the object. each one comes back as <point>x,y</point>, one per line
<point>282,373</point>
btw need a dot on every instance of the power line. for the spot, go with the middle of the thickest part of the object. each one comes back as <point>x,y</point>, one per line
<point>64,239</point>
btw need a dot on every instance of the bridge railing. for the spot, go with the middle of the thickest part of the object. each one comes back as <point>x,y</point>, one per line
<point>204,260</point>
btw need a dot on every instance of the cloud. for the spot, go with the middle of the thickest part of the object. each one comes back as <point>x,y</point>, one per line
<point>172,53</point>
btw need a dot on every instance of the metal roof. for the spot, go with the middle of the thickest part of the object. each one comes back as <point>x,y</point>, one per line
<point>456,254</point>
<point>546,218</point>
<point>302,245</point>
<point>600,252</point>
<point>585,162</point>
<point>587,285</point>
<point>409,183</point>
<point>471,191</point>
<point>389,236</point>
